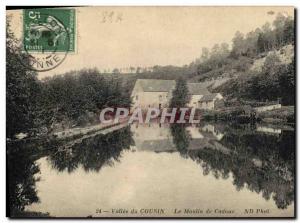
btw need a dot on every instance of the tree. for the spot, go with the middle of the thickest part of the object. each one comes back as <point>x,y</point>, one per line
<point>251,42</point>
<point>205,54</point>
<point>76,98</point>
<point>132,69</point>
<point>21,170</point>
<point>238,43</point>
<point>270,63</point>
<point>180,95</point>
<point>286,82</point>
<point>22,88</point>
<point>261,43</point>
<point>116,71</point>
<point>138,70</point>
<point>279,24</point>
<point>224,51</point>
<point>289,32</point>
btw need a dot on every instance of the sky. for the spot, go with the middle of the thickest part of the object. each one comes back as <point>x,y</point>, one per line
<point>148,36</point>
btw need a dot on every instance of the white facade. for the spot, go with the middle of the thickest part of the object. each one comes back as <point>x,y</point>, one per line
<point>150,99</point>
<point>268,130</point>
<point>209,103</point>
<point>267,108</point>
<point>194,101</point>
<point>152,93</point>
<point>206,105</point>
<point>158,93</point>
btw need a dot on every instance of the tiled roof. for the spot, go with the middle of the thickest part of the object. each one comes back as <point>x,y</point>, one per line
<point>152,85</point>
<point>197,88</point>
<point>156,85</point>
<point>208,97</point>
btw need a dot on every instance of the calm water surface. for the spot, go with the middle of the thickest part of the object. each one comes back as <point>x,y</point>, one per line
<point>221,169</point>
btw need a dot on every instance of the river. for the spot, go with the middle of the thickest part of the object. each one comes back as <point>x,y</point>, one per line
<point>154,170</point>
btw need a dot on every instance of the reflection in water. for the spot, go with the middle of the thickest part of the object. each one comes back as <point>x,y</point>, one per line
<point>92,153</point>
<point>181,138</point>
<point>150,168</point>
<point>261,162</point>
<point>21,181</point>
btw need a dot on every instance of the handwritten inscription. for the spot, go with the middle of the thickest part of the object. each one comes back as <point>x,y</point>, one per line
<point>112,17</point>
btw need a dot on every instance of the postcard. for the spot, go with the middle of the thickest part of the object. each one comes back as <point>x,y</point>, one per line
<point>150,112</point>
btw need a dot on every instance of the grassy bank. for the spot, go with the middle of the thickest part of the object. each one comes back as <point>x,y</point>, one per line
<point>284,115</point>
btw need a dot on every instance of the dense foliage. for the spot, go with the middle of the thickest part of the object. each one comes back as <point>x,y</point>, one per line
<point>75,98</point>
<point>248,46</point>
<point>180,95</point>
<point>263,163</point>
<point>21,170</point>
<point>99,151</point>
<point>22,88</point>
<point>78,97</point>
<point>275,82</point>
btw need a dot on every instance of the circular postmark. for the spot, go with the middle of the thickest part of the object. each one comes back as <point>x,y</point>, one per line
<point>45,44</point>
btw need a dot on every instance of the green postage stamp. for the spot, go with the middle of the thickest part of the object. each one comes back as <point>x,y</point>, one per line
<point>49,30</point>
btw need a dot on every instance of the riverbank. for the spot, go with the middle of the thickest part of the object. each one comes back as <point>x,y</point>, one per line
<point>284,115</point>
<point>80,131</point>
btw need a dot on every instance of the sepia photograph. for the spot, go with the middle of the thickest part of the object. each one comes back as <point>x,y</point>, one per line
<point>150,112</point>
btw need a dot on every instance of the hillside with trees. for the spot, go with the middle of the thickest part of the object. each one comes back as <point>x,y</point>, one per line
<point>258,65</point>
<point>272,79</point>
